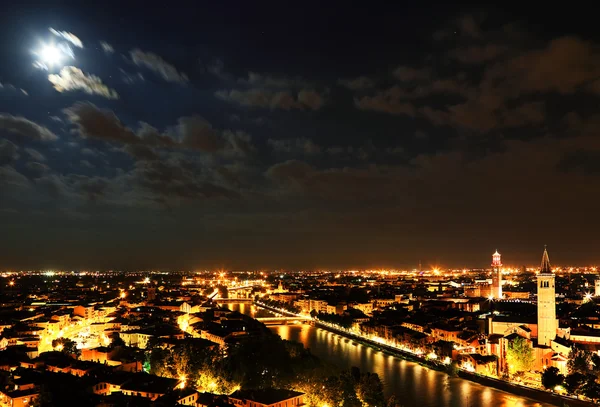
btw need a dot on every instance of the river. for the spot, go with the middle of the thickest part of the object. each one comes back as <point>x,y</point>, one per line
<point>411,383</point>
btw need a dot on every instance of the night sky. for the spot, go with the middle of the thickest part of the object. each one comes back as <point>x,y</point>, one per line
<point>248,135</point>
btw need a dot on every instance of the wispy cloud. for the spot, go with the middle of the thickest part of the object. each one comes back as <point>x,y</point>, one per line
<point>106,47</point>
<point>72,38</point>
<point>158,65</point>
<point>72,78</point>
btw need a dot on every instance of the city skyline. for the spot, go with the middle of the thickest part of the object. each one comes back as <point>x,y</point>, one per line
<point>306,138</point>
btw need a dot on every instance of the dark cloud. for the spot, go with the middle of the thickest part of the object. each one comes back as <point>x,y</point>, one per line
<point>11,178</point>
<point>392,101</point>
<point>506,91</point>
<point>311,99</point>
<point>272,81</point>
<point>8,152</point>
<point>272,100</point>
<point>86,164</point>
<point>91,188</point>
<point>565,65</point>
<point>23,127</point>
<point>197,133</point>
<point>159,66</point>
<point>94,122</point>
<point>35,155</point>
<point>191,132</point>
<point>141,152</point>
<point>478,54</point>
<point>409,74</point>
<point>37,169</point>
<point>292,170</point>
<point>357,84</point>
<point>295,146</point>
<point>169,181</point>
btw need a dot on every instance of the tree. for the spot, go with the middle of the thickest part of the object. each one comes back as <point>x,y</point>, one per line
<point>314,313</point>
<point>579,361</point>
<point>223,291</point>
<point>551,378</point>
<point>595,359</point>
<point>117,341</point>
<point>452,369</point>
<point>67,346</point>
<point>591,388</point>
<point>370,390</point>
<point>574,382</point>
<point>519,356</point>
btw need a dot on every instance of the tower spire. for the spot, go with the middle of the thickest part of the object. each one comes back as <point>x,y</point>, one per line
<point>545,262</point>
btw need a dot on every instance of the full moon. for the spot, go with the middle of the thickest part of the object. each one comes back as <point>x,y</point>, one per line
<point>50,55</point>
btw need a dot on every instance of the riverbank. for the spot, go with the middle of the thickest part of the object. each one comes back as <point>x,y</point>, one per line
<point>500,385</point>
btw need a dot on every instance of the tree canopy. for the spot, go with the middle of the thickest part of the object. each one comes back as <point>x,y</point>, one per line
<point>519,356</point>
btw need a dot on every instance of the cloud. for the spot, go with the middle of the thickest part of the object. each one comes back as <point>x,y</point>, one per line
<point>158,65</point>
<point>509,76</point>
<point>8,86</point>
<point>310,98</point>
<point>291,170</point>
<point>106,47</point>
<point>9,177</point>
<point>274,100</point>
<point>88,151</point>
<point>408,74</point>
<point>103,124</point>
<point>131,78</point>
<point>37,169</point>
<point>141,152</point>
<point>8,152</point>
<point>72,38</point>
<point>86,164</point>
<point>269,81</point>
<point>357,84</point>
<point>191,132</point>
<point>390,101</point>
<point>21,126</point>
<point>478,54</point>
<point>295,146</point>
<point>72,78</point>
<point>272,81</point>
<point>197,133</point>
<point>565,65</point>
<point>174,180</point>
<point>35,155</point>
<point>259,98</point>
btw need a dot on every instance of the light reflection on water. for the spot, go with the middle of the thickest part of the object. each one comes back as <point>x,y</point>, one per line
<point>411,383</point>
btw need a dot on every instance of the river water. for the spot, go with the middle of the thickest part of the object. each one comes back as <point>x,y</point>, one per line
<point>411,383</point>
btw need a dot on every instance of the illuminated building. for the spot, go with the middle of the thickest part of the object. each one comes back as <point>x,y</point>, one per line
<point>597,287</point>
<point>546,303</point>
<point>151,293</point>
<point>496,275</point>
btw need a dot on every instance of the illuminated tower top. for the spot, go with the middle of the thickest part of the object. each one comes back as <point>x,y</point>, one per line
<point>545,263</point>
<point>496,259</point>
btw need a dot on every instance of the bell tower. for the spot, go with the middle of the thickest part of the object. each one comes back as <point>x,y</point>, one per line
<point>546,303</point>
<point>496,275</point>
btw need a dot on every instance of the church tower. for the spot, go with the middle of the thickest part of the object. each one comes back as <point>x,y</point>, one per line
<point>546,303</point>
<point>496,275</point>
